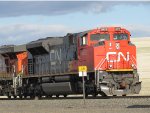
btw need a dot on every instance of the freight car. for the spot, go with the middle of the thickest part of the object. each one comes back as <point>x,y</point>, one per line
<point>49,66</point>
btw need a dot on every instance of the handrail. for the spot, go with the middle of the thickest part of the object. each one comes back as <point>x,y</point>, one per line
<point>100,64</point>
<point>134,63</point>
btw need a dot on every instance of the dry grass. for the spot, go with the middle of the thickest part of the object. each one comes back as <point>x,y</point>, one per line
<point>143,61</point>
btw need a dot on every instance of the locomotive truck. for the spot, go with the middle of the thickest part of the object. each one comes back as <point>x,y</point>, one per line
<point>49,66</point>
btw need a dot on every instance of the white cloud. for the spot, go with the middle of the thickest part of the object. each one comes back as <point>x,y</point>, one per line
<point>23,33</point>
<point>138,30</point>
<point>50,8</point>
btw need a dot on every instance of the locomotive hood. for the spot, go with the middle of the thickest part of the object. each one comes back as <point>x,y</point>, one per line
<point>41,46</point>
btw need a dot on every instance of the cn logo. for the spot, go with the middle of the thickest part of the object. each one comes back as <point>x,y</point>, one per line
<point>118,56</point>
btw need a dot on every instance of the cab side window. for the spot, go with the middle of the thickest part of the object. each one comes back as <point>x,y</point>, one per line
<point>99,37</point>
<point>83,40</point>
<point>121,36</point>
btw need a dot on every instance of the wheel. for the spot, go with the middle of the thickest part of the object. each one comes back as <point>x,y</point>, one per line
<point>94,94</point>
<point>50,96</point>
<point>32,96</point>
<point>20,96</point>
<point>86,95</point>
<point>124,95</point>
<point>39,96</point>
<point>14,96</point>
<point>103,94</point>
<point>25,95</point>
<point>65,95</point>
<point>47,96</point>
<point>8,96</point>
<point>57,96</point>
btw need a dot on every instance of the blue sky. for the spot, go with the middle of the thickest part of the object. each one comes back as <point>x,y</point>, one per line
<point>22,22</point>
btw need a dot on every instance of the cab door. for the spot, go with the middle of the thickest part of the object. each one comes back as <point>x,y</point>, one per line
<point>83,50</point>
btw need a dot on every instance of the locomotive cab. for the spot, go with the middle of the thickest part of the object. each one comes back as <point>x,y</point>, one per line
<point>110,44</point>
<point>109,52</point>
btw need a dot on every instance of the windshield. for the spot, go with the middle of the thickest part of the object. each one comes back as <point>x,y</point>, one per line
<point>120,36</point>
<point>99,37</point>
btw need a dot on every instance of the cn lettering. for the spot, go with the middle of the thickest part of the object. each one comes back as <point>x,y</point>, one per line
<point>118,56</point>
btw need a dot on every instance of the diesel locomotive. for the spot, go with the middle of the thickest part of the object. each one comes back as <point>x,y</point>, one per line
<point>49,66</point>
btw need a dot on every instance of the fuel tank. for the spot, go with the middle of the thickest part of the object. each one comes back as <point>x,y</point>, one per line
<point>57,88</point>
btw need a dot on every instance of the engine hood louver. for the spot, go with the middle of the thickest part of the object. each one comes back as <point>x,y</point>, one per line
<point>42,46</point>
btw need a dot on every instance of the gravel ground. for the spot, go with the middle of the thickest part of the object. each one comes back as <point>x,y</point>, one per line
<point>73,105</point>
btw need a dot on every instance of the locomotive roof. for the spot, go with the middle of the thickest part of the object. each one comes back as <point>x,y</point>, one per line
<point>41,46</point>
<point>12,48</point>
<point>6,49</point>
<point>47,40</point>
<point>83,33</point>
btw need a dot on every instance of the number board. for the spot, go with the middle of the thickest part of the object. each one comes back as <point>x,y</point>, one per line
<point>82,68</point>
<point>82,71</point>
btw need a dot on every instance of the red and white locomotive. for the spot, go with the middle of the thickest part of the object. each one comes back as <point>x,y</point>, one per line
<point>49,66</point>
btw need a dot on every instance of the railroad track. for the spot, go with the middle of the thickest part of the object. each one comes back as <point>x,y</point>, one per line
<point>75,97</point>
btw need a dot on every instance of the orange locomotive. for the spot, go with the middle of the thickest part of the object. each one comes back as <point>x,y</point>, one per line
<point>22,61</point>
<point>49,66</point>
<point>109,52</point>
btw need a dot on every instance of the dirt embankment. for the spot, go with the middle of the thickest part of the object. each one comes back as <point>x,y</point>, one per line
<point>143,62</point>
